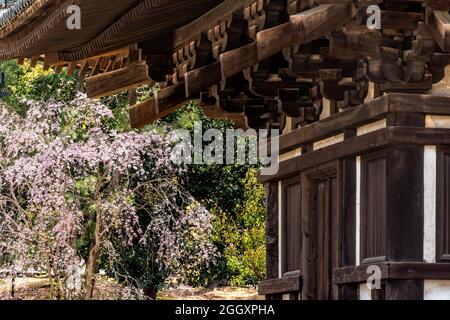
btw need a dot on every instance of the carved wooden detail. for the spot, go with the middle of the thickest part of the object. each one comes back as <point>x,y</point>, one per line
<point>258,61</point>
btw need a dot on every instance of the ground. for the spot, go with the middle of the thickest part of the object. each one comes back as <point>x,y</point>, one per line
<point>38,289</point>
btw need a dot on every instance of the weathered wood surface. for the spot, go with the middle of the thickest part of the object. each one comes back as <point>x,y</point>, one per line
<point>165,101</point>
<point>264,58</point>
<point>287,284</point>
<point>120,80</point>
<point>369,112</point>
<point>394,270</point>
<point>373,141</point>
<point>272,235</point>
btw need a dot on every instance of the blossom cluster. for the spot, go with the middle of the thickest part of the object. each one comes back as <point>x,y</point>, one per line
<point>63,166</point>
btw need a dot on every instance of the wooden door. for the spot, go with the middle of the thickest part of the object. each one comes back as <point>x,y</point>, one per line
<point>321,242</point>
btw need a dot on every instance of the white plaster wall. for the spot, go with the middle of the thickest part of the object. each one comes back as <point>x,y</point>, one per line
<point>364,292</point>
<point>358,211</point>
<point>289,155</point>
<point>437,290</point>
<point>371,94</point>
<point>326,112</point>
<point>328,142</point>
<point>288,126</point>
<point>371,127</point>
<point>442,122</point>
<point>429,233</point>
<point>442,88</point>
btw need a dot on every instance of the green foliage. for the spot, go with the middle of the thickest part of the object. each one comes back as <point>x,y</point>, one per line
<point>36,84</point>
<point>245,251</point>
<point>118,104</point>
<point>236,199</point>
<point>230,192</point>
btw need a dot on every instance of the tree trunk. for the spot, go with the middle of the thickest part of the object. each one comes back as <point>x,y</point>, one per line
<point>150,291</point>
<point>93,263</point>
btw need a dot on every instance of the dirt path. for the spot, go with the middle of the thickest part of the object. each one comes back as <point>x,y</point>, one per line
<point>38,289</point>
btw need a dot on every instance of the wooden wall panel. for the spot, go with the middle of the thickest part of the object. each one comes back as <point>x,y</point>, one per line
<point>321,250</point>
<point>272,254</point>
<point>443,205</point>
<point>292,225</point>
<point>373,207</point>
<point>347,194</point>
<point>404,290</point>
<point>405,191</point>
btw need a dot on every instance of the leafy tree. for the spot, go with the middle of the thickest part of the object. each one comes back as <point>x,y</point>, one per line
<point>237,201</point>
<point>230,192</point>
<point>24,82</point>
<point>72,188</point>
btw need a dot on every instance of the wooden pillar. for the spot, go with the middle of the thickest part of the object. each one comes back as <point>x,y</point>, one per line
<point>348,219</point>
<point>405,196</point>
<point>272,254</point>
<point>404,290</point>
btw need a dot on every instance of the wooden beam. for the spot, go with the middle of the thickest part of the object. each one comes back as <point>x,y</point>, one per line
<point>113,82</point>
<point>368,112</point>
<point>439,24</point>
<point>302,28</point>
<point>184,34</point>
<point>334,124</point>
<point>199,79</point>
<point>394,270</point>
<point>165,101</point>
<point>280,285</point>
<point>373,141</point>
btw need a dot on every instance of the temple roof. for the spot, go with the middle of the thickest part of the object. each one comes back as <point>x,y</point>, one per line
<point>254,61</point>
<point>11,10</point>
<point>35,27</point>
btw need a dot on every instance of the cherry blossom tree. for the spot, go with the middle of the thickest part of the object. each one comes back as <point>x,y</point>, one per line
<point>67,175</point>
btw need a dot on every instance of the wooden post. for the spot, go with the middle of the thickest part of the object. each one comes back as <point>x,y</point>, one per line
<point>348,218</point>
<point>404,221</point>
<point>272,254</point>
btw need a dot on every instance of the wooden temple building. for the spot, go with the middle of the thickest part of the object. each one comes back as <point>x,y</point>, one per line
<point>364,165</point>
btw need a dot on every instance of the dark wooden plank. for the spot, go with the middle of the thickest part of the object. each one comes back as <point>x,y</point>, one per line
<point>272,254</point>
<point>302,28</point>
<point>335,124</point>
<point>354,275</point>
<point>347,224</point>
<point>201,79</point>
<point>374,110</point>
<point>234,61</point>
<point>317,22</point>
<point>356,146</point>
<point>420,136</point>
<point>291,225</point>
<point>443,205</point>
<point>392,19</point>
<point>283,285</point>
<point>404,290</point>
<point>373,207</point>
<point>419,103</point>
<point>271,41</point>
<point>353,146</point>
<point>394,270</point>
<point>419,270</point>
<point>405,194</point>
